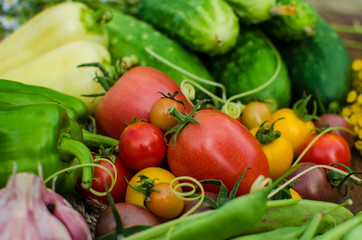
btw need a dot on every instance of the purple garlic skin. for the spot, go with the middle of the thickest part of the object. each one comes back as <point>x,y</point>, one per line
<point>25,215</point>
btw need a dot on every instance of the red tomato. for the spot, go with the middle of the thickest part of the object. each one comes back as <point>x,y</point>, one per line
<point>101,177</point>
<point>142,145</point>
<point>329,148</point>
<point>220,148</point>
<point>133,96</point>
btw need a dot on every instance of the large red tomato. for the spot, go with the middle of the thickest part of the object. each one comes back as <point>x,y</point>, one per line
<point>219,148</point>
<point>133,96</point>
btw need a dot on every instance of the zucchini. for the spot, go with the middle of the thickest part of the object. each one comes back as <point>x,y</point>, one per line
<point>252,11</point>
<point>319,65</point>
<point>131,36</point>
<point>291,20</point>
<point>207,26</point>
<point>249,65</point>
<point>54,26</point>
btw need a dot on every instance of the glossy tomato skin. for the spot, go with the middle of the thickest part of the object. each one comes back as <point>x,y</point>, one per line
<point>329,148</point>
<point>155,173</point>
<point>133,96</point>
<point>141,145</point>
<point>159,115</point>
<point>101,177</point>
<point>294,129</point>
<point>220,148</point>
<point>254,114</point>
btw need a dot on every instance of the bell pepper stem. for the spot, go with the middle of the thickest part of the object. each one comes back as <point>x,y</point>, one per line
<point>95,140</point>
<point>84,155</point>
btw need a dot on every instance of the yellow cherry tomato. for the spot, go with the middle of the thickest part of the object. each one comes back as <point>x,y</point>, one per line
<point>164,203</point>
<point>294,193</point>
<point>254,114</point>
<point>292,128</point>
<point>155,173</point>
<point>279,154</point>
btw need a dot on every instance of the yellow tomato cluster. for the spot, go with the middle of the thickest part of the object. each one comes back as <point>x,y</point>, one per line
<point>353,111</point>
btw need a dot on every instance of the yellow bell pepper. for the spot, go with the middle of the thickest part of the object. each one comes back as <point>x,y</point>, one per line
<point>54,26</point>
<point>57,69</point>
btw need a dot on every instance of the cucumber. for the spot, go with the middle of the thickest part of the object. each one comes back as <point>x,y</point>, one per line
<point>131,36</point>
<point>207,26</point>
<point>291,20</point>
<point>319,65</point>
<point>250,64</point>
<point>252,11</point>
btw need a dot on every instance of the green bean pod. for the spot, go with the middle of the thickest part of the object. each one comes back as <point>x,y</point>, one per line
<point>342,229</point>
<point>283,213</point>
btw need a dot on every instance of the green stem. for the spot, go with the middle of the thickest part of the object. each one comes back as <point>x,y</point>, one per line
<point>95,140</point>
<point>354,29</point>
<point>82,152</point>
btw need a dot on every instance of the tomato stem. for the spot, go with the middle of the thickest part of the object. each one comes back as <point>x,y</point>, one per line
<point>183,120</point>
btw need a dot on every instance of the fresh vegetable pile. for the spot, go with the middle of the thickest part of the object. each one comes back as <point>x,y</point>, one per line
<point>171,119</point>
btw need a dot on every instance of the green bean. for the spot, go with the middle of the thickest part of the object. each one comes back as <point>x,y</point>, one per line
<point>282,213</point>
<point>312,227</point>
<point>354,234</point>
<point>284,233</point>
<point>342,229</point>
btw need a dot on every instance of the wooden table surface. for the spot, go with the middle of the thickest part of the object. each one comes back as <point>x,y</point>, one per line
<point>347,12</point>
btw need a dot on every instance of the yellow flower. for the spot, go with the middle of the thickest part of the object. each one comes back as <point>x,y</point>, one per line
<point>346,111</point>
<point>357,65</point>
<point>352,96</point>
<point>358,144</point>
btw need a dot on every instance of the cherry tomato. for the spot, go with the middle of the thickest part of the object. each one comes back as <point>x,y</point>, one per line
<point>294,129</point>
<point>141,145</point>
<point>279,154</point>
<point>156,173</point>
<point>133,96</point>
<point>329,148</point>
<point>254,114</point>
<point>163,203</point>
<point>219,148</point>
<point>159,113</point>
<point>102,177</point>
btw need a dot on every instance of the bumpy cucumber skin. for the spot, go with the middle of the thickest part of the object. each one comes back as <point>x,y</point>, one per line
<point>295,27</point>
<point>250,64</point>
<point>252,11</point>
<point>318,65</point>
<point>208,26</point>
<point>129,36</point>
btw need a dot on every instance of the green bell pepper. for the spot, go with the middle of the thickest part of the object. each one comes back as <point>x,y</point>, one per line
<point>42,136</point>
<point>19,93</point>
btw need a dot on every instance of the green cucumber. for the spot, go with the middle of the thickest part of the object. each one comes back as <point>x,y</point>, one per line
<point>252,11</point>
<point>291,20</point>
<point>208,26</point>
<point>131,36</point>
<point>319,65</point>
<point>250,64</point>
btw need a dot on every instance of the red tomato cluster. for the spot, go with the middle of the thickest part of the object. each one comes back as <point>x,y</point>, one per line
<point>163,136</point>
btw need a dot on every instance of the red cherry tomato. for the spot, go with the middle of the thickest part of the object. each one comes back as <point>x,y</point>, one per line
<point>219,148</point>
<point>102,177</point>
<point>141,145</point>
<point>133,96</point>
<point>329,148</point>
